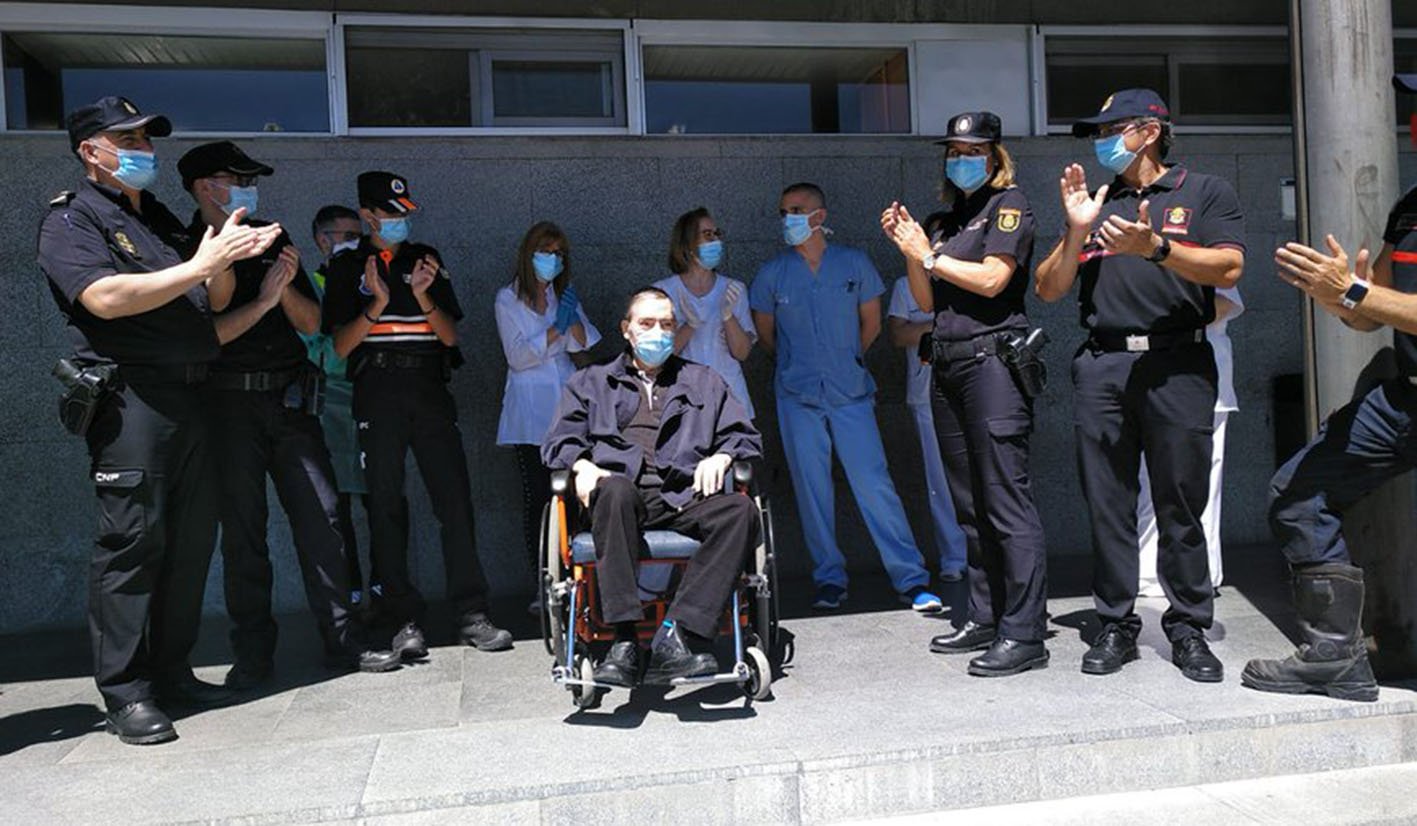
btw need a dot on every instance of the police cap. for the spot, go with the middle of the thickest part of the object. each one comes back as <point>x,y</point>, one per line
<point>1405,83</point>
<point>221,156</point>
<point>112,114</point>
<point>386,191</point>
<point>1123,105</point>
<point>973,127</point>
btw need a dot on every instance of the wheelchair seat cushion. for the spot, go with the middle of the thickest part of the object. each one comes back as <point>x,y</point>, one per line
<point>662,545</point>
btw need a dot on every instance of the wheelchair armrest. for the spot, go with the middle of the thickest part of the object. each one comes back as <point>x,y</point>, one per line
<point>560,482</point>
<point>741,478</point>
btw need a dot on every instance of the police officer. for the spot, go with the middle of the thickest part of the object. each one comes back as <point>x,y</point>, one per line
<point>392,309</point>
<point>1151,247</point>
<point>1364,444</point>
<point>971,270</point>
<point>150,338</point>
<point>263,392</point>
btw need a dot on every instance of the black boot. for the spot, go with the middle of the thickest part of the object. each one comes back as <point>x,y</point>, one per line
<point>409,644</point>
<point>476,630</point>
<point>969,637</point>
<point>182,688</point>
<point>1333,658</point>
<point>140,724</point>
<point>621,666</point>
<point>671,659</point>
<point>352,651</point>
<point>1006,657</point>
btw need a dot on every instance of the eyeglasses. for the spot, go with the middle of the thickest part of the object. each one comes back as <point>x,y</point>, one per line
<point>341,235</point>
<point>1119,128</point>
<point>711,234</point>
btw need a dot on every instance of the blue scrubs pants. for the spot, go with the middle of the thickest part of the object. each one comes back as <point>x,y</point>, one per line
<point>949,537</point>
<point>809,433</point>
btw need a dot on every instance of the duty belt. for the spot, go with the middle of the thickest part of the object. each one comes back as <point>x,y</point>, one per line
<point>163,373</point>
<point>1144,342</point>
<point>254,382</point>
<point>392,360</point>
<point>977,347</point>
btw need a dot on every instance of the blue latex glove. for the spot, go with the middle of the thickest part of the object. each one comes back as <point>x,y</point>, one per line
<point>566,315</point>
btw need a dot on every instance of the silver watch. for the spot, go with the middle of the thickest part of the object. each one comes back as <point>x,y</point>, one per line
<point>928,262</point>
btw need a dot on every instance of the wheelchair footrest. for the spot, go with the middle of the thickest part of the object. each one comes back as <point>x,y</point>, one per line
<point>737,675</point>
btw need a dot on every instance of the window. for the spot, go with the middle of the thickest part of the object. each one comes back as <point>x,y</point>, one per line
<point>1207,81</point>
<point>745,90</point>
<point>203,84</point>
<point>1404,61</point>
<point>417,77</point>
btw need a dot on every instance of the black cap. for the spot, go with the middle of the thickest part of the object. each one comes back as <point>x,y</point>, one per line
<point>112,114</point>
<point>1128,103</point>
<point>1405,83</point>
<point>973,127</point>
<point>222,156</point>
<point>386,191</point>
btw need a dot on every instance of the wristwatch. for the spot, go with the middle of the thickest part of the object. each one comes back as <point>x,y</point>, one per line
<point>1356,292</point>
<point>1162,250</point>
<point>928,262</point>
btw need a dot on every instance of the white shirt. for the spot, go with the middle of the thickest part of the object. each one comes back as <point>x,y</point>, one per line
<point>1219,339</point>
<point>917,375</point>
<point>709,344</point>
<point>536,373</point>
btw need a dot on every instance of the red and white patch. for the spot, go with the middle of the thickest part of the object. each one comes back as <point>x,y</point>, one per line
<point>1177,220</point>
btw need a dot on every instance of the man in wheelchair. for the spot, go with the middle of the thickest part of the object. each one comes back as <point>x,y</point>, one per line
<point>650,439</point>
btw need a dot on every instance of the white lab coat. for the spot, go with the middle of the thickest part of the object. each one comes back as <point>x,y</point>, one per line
<point>536,373</point>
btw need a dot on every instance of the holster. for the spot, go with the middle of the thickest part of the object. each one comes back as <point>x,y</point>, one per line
<point>307,392</point>
<point>85,388</point>
<point>1021,356</point>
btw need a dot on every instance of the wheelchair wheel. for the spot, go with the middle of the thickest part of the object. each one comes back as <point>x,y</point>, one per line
<point>758,686</point>
<point>549,564</point>
<point>584,696</point>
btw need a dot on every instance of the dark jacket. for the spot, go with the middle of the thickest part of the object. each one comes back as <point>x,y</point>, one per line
<point>701,418</point>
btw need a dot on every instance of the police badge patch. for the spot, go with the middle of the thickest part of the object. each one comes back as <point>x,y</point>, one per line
<point>1008,220</point>
<point>125,244</point>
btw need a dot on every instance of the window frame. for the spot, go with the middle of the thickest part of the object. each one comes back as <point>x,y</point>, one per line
<point>1039,68</point>
<point>93,18</point>
<point>627,93</point>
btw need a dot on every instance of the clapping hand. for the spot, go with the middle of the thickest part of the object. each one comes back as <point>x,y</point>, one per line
<point>219,249</point>
<point>689,314</point>
<point>376,286</point>
<point>278,277</point>
<point>1081,208</point>
<point>908,235</point>
<point>424,271</point>
<point>730,300</point>
<point>1124,237</point>
<point>1325,277</point>
<point>566,315</point>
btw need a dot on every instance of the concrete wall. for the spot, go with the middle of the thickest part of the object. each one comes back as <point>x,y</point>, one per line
<point>616,197</point>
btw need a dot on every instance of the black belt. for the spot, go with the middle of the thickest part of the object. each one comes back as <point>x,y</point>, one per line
<point>393,360</point>
<point>254,382</point>
<point>1144,342</point>
<point>163,373</point>
<point>974,348</point>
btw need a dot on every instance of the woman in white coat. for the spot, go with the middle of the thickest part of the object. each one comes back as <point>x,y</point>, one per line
<point>717,327</point>
<point>545,337</point>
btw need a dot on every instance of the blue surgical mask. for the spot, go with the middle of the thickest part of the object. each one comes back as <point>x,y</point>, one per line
<point>547,265</point>
<point>136,168</point>
<point>241,196</point>
<point>1112,153</point>
<point>654,347</point>
<point>710,254</point>
<point>967,171</point>
<point>393,230</point>
<point>797,227</point>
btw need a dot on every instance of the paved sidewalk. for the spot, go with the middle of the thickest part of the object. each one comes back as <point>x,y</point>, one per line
<point>865,723</point>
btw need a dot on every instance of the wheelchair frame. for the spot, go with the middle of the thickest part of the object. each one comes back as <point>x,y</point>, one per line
<point>570,610</point>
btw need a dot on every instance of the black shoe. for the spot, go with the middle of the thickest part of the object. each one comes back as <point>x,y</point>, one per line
<point>140,724</point>
<point>408,643</point>
<point>621,666</point>
<point>1113,649</point>
<point>1333,658</point>
<point>969,637</point>
<point>670,659</point>
<point>1007,657</point>
<point>186,690</point>
<point>477,630</point>
<point>1193,657</point>
<point>248,674</point>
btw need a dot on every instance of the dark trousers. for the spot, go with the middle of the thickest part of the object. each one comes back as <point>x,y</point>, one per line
<point>536,492</point>
<point>260,436</point>
<point>1162,403</point>
<point>344,516</point>
<point>1359,447</point>
<point>398,410</point>
<point>982,423</point>
<point>156,532</point>
<point>726,526</point>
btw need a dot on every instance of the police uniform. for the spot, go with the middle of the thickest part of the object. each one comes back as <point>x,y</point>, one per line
<point>260,387</point>
<point>148,442</point>
<point>401,402</point>
<point>982,418</point>
<point>1145,381</point>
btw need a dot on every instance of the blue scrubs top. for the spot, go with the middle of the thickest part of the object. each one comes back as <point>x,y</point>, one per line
<point>818,323</point>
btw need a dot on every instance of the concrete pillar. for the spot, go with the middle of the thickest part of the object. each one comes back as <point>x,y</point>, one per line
<point>1350,157</point>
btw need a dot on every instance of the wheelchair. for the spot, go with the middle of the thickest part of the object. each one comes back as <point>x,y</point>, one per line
<point>571,621</point>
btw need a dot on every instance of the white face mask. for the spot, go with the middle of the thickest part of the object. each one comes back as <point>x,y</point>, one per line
<point>351,244</point>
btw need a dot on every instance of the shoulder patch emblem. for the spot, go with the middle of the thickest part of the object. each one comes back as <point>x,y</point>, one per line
<point>1178,220</point>
<point>126,244</point>
<point>1008,219</point>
